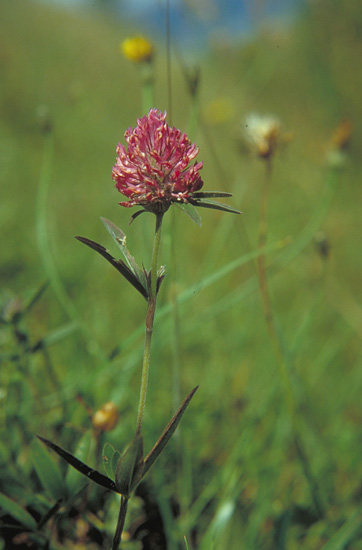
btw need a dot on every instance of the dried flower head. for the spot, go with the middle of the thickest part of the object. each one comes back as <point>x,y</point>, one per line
<point>137,49</point>
<point>154,171</point>
<point>106,418</point>
<point>341,135</point>
<point>339,143</point>
<point>263,134</point>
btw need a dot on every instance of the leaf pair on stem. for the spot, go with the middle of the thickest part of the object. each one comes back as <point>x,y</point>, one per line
<point>128,469</point>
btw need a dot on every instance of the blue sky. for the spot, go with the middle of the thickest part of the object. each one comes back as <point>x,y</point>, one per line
<point>193,27</point>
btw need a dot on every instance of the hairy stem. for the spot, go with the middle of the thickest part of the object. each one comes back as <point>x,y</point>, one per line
<point>120,523</point>
<point>149,323</point>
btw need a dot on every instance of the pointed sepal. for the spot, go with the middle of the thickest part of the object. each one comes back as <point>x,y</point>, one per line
<point>210,194</point>
<point>90,473</point>
<point>167,433</point>
<point>202,199</point>
<point>118,264</point>
<point>214,205</point>
<point>135,215</point>
<point>191,211</point>
<point>130,467</point>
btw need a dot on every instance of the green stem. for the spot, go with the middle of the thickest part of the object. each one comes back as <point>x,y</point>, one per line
<point>264,291</point>
<point>155,252</point>
<point>120,523</point>
<point>275,341</point>
<point>149,323</point>
<point>147,86</point>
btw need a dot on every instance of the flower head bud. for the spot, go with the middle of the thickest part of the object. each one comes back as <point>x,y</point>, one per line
<point>322,244</point>
<point>341,135</point>
<point>106,418</point>
<point>338,143</point>
<point>137,49</point>
<point>263,134</point>
<point>154,171</point>
<point>11,310</point>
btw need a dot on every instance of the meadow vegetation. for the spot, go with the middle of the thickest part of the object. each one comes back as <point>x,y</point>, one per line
<point>235,476</point>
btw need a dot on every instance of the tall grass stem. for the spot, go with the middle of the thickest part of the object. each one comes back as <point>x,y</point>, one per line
<point>276,343</point>
<point>44,247</point>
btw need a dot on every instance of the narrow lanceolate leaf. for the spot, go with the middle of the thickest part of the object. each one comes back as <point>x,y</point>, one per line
<point>47,470</point>
<point>17,512</point>
<point>190,211</point>
<point>130,467</point>
<point>118,264</point>
<point>210,194</point>
<point>35,297</point>
<point>74,481</point>
<point>91,474</point>
<point>120,239</point>
<point>213,205</point>
<point>167,433</point>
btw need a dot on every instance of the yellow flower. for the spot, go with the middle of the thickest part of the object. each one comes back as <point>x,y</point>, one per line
<point>137,49</point>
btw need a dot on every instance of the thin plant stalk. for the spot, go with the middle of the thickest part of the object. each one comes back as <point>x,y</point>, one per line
<point>264,291</point>
<point>120,522</point>
<point>149,323</point>
<point>44,244</point>
<point>150,315</point>
<point>168,60</point>
<point>275,340</point>
<point>147,88</point>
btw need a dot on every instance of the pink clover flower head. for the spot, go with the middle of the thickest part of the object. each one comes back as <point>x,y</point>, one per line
<point>154,171</point>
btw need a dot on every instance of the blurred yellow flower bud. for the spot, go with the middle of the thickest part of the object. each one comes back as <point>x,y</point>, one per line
<point>137,49</point>
<point>219,111</point>
<point>106,418</point>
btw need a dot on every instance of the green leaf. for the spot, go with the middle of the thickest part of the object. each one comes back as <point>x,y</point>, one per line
<point>90,473</point>
<point>210,194</point>
<point>59,334</point>
<point>347,533</point>
<point>214,205</point>
<point>167,433</point>
<point>130,467</point>
<point>17,512</point>
<point>118,264</point>
<point>35,297</point>
<point>190,211</point>
<point>120,239</point>
<point>110,460</point>
<point>74,480</point>
<point>47,470</point>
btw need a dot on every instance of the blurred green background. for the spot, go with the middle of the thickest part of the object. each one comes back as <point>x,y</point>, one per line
<point>232,478</point>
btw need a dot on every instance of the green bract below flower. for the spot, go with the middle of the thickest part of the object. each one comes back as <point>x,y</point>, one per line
<point>155,171</point>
